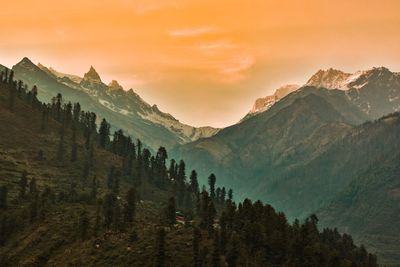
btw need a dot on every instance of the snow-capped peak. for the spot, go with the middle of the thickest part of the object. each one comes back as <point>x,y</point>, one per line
<point>264,103</point>
<point>333,79</point>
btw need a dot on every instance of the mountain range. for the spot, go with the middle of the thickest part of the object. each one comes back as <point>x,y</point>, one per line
<point>330,146</point>
<point>124,109</point>
<point>322,148</point>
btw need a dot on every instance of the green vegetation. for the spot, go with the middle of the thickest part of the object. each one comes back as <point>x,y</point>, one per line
<point>115,204</point>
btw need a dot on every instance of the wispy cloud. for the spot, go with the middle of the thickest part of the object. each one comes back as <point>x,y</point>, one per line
<point>190,32</point>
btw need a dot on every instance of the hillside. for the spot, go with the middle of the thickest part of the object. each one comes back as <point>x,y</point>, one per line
<point>292,132</point>
<point>303,152</point>
<point>70,196</point>
<point>125,109</point>
<point>368,207</point>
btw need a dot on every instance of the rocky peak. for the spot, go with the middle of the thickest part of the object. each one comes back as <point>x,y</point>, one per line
<point>92,75</point>
<point>115,86</point>
<point>330,79</point>
<point>262,104</point>
<point>26,63</point>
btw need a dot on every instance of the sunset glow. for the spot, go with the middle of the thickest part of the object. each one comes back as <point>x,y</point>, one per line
<point>203,61</point>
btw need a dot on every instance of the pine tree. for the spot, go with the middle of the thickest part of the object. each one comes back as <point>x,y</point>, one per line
<point>233,253</point>
<point>110,178</point>
<point>3,197</point>
<point>33,208</point>
<point>43,124</point>
<point>3,230</point>
<point>171,170</point>
<point>222,196</point>
<point>108,209</point>
<point>160,246</point>
<point>194,184</point>
<point>23,183</point>
<point>211,212</point>
<point>60,151</point>
<point>216,260</point>
<point>196,247</point>
<point>104,133</point>
<point>93,193</point>
<point>83,225</point>
<point>171,211</point>
<point>96,227</point>
<point>116,220</point>
<point>130,205</point>
<point>32,187</point>
<point>230,194</point>
<point>74,148</point>
<point>211,182</point>
<point>115,187</point>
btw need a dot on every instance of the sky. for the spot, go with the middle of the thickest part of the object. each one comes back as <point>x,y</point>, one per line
<point>203,61</point>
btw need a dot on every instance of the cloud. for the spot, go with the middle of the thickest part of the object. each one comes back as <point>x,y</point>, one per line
<point>215,46</point>
<point>234,69</point>
<point>191,32</point>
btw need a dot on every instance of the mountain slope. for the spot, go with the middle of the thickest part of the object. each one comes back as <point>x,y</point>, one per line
<point>125,109</point>
<point>309,147</point>
<point>368,207</point>
<point>262,104</point>
<point>293,131</point>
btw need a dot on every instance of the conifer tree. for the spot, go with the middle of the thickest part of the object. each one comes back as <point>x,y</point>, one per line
<point>216,260</point>
<point>108,209</point>
<point>104,133</point>
<point>230,194</point>
<point>117,218</point>
<point>3,196</point>
<point>233,251</point>
<point>96,227</point>
<point>74,148</point>
<point>23,183</point>
<point>160,248</point>
<point>110,178</point>
<point>196,247</point>
<point>60,151</point>
<point>194,184</point>
<point>33,208</point>
<point>211,182</point>
<point>32,187</point>
<point>93,192</point>
<point>171,211</point>
<point>211,212</point>
<point>130,205</point>
<point>83,225</point>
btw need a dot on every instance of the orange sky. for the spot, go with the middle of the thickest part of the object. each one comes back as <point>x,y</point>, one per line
<point>204,61</point>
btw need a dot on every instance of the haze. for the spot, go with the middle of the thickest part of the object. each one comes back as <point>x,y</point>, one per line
<point>203,61</point>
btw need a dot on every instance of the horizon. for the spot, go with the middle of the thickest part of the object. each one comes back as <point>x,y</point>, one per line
<point>183,54</point>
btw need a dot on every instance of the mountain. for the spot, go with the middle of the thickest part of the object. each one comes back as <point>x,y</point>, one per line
<point>375,91</point>
<point>333,79</point>
<point>293,132</point>
<point>2,68</point>
<point>308,148</point>
<point>262,104</point>
<point>57,74</point>
<point>368,206</point>
<point>125,109</point>
<point>114,205</point>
